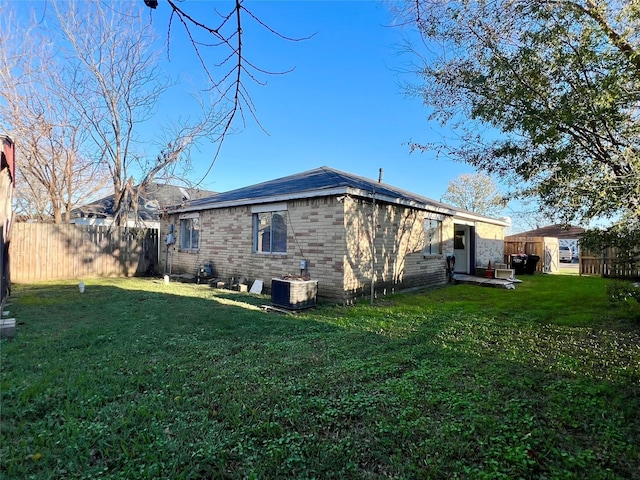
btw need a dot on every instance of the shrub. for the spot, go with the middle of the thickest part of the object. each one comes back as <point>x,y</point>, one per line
<point>621,292</point>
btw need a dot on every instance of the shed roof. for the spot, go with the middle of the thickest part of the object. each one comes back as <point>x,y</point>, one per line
<point>323,181</point>
<point>556,231</point>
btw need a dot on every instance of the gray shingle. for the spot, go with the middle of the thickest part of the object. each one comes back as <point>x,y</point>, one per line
<point>155,197</point>
<point>323,178</point>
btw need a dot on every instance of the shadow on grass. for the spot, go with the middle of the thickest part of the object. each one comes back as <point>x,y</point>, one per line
<point>143,380</point>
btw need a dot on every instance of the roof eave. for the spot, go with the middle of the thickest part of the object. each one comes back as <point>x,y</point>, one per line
<point>480,218</point>
<point>403,201</point>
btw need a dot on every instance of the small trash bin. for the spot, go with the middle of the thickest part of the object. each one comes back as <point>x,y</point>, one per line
<point>518,261</point>
<point>530,264</point>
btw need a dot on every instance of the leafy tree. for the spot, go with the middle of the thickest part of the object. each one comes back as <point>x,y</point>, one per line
<point>544,93</point>
<point>476,193</point>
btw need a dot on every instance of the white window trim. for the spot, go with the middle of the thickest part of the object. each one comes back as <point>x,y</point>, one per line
<point>270,207</point>
<point>187,216</point>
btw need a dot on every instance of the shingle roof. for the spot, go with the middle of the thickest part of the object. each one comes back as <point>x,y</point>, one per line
<point>318,182</point>
<point>557,231</point>
<point>323,179</point>
<point>155,197</point>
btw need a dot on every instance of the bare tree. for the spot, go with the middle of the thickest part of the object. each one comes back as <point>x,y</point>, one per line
<point>116,85</point>
<point>31,200</point>
<point>54,174</point>
<point>108,77</point>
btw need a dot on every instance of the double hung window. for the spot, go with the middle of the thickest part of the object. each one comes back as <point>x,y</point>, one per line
<point>189,232</point>
<point>433,237</point>
<point>270,232</point>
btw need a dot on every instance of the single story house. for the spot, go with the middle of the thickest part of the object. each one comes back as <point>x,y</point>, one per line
<point>151,201</point>
<point>343,230</point>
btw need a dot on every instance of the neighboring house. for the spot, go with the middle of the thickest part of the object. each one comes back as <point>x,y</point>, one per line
<point>7,182</point>
<point>345,229</point>
<point>155,198</point>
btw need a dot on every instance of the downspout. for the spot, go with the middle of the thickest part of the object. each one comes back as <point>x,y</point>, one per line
<point>374,221</point>
<point>373,246</point>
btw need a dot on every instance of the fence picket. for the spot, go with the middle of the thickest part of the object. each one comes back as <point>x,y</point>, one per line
<point>610,264</point>
<point>53,252</point>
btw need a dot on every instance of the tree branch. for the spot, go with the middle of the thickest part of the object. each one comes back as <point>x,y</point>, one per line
<point>230,84</point>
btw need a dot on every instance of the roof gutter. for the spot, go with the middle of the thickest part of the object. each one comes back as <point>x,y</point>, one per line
<point>403,201</point>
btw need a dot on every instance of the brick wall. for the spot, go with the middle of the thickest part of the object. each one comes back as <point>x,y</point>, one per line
<point>315,233</point>
<point>333,236</point>
<point>398,248</point>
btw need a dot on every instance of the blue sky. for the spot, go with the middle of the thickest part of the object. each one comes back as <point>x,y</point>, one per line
<point>342,106</point>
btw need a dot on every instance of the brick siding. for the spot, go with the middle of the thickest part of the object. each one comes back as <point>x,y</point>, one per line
<point>334,237</point>
<point>399,243</point>
<point>315,233</point>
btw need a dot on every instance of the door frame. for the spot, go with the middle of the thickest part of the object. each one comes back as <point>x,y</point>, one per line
<point>469,243</point>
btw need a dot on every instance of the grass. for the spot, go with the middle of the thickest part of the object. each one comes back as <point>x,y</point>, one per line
<point>137,379</point>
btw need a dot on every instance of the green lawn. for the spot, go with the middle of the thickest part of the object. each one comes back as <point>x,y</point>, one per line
<point>137,379</point>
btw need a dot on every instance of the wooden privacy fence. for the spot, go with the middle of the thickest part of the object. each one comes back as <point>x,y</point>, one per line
<point>40,251</point>
<point>527,245</point>
<point>610,264</point>
<point>590,265</point>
